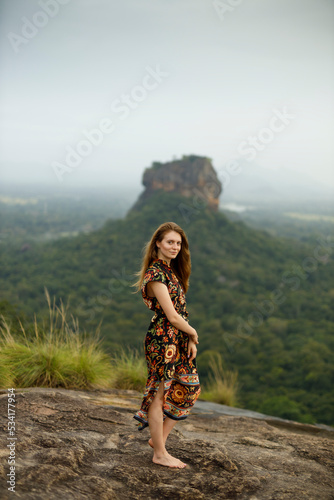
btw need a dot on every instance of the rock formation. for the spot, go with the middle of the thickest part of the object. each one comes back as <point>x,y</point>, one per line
<point>85,444</point>
<point>192,177</point>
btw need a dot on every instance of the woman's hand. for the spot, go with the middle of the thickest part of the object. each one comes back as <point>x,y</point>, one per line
<point>193,336</point>
<point>192,350</point>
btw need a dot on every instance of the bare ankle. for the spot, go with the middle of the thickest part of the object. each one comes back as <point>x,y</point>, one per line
<point>161,453</point>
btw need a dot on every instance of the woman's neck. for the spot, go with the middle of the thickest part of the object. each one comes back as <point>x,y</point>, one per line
<point>161,257</point>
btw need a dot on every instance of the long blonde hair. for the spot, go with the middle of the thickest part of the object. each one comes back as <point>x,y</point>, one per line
<point>181,265</point>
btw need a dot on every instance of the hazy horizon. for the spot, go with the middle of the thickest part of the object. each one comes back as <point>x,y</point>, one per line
<point>252,83</point>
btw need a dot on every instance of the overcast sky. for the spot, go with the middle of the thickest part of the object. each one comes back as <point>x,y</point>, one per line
<point>233,79</point>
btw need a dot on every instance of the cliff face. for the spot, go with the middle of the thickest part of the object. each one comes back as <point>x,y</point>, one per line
<point>85,444</point>
<point>192,177</point>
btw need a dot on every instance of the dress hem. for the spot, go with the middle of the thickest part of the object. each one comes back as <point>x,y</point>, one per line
<point>166,413</point>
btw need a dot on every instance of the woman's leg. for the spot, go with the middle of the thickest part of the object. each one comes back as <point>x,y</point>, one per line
<point>155,422</point>
<point>167,427</point>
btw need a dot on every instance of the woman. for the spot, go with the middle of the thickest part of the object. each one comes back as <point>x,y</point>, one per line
<point>170,344</point>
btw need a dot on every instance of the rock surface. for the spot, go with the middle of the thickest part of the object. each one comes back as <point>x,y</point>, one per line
<point>192,177</point>
<point>81,444</point>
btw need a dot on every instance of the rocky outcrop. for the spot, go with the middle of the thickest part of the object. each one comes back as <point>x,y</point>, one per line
<point>82,445</point>
<point>192,177</point>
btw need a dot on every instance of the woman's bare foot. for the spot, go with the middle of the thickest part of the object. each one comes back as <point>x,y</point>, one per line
<point>168,461</point>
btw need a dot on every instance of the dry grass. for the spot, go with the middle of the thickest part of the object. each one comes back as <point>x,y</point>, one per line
<point>223,384</point>
<point>129,371</point>
<point>57,355</point>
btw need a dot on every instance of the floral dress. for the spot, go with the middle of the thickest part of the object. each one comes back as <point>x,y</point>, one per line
<point>166,351</point>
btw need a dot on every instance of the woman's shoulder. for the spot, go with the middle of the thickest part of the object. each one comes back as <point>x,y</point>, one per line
<point>155,269</point>
<point>156,265</point>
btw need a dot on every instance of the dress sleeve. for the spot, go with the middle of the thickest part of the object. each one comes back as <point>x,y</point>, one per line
<point>152,274</point>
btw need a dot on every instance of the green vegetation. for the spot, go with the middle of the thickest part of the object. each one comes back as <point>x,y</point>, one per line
<point>129,370</point>
<point>193,158</point>
<point>57,355</point>
<point>311,217</point>
<point>281,345</point>
<point>222,384</point>
<point>45,217</point>
<point>156,165</point>
<point>314,221</point>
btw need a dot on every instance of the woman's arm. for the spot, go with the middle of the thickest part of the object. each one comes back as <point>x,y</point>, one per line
<point>160,291</point>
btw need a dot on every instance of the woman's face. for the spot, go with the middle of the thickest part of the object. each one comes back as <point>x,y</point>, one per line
<point>170,245</point>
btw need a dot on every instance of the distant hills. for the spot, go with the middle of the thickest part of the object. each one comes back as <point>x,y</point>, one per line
<point>257,185</point>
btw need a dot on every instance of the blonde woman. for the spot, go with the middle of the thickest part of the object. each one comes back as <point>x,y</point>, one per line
<point>170,344</point>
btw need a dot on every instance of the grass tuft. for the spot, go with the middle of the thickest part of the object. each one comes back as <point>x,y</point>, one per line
<point>56,355</point>
<point>129,371</point>
<point>222,386</point>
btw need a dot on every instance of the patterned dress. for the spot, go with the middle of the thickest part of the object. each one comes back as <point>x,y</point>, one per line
<point>166,351</point>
